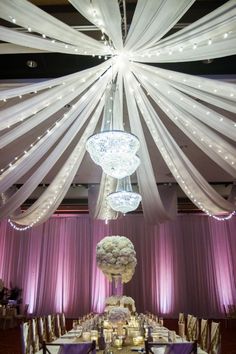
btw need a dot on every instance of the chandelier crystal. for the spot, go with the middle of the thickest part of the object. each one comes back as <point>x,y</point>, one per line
<point>120,165</point>
<point>124,199</point>
<point>114,142</point>
<point>114,151</point>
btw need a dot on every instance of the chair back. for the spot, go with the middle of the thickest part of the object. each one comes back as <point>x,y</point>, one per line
<point>215,339</point>
<point>50,328</point>
<point>192,328</point>
<point>57,325</point>
<point>35,335</point>
<point>203,336</point>
<point>181,317</point>
<point>42,329</point>
<point>63,323</point>
<point>26,338</point>
<point>171,348</point>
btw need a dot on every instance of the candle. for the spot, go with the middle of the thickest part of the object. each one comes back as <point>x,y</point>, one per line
<point>86,336</point>
<point>138,340</point>
<point>118,342</point>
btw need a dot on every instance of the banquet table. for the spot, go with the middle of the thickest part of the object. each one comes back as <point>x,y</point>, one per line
<point>71,337</point>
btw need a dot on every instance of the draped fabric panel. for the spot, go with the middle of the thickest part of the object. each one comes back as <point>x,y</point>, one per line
<point>29,16</point>
<point>105,15</point>
<point>212,36</point>
<point>187,265</point>
<point>151,201</point>
<point>152,20</point>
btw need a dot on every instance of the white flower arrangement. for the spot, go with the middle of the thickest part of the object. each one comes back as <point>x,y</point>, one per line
<point>116,257</point>
<point>118,315</point>
<point>123,301</point>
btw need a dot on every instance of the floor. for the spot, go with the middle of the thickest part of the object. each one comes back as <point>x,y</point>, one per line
<point>10,338</point>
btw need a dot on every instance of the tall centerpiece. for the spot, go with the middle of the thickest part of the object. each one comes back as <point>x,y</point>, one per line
<point>116,257</point>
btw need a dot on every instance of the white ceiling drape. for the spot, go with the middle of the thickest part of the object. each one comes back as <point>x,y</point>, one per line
<point>188,178</point>
<point>105,15</point>
<point>151,21</point>
<point>213,36</point>
<point>29,16</point>
<point>146,88</point>
<point>152,204</point>
<point>210,142</point>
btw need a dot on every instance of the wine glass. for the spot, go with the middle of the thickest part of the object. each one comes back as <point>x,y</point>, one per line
<point>74,325</point>
<point>108,335</point>
<point>79,331</point>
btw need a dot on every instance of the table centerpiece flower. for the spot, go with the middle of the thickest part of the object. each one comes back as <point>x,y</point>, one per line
<point>119,300</point>
<point>118,316</point>
<point>116,257</point>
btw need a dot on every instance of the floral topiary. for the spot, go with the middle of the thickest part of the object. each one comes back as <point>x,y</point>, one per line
<point>116,257</point>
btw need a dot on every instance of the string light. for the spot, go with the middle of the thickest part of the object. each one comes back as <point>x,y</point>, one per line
<point>19,228</point>
<point>170,163</point>
<point>224,218</point>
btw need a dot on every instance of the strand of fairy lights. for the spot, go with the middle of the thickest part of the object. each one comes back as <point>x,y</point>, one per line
<point>71,88</point>
<point>170,49</point>
<point>230,159</point>
<point>187,100</point>
<point>56,188</point>
<point>170,162</point>
<point>196,82</point>
<point>52,85</point>
<point>41,139</point>
<point>65,173</point>
<point>40,107</point>
<point>68,46</point>
<point>224,218</point>
<point>70,83</point>
<point>17,228</point>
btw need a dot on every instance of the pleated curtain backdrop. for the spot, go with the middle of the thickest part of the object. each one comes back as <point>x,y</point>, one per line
<point>187,265</point>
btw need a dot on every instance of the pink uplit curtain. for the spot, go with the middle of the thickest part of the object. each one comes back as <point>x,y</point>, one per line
<point>186,265</point>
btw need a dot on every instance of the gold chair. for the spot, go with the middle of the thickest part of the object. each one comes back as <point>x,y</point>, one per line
<point>63,323</point>
<point>34,335</point>
<point>50,328</point>
<point>57,325</point>
<point>203,336</point>
<point>192,328</point>
<point>42,332</point>
<point>26,338</point>
<point>215,339</point>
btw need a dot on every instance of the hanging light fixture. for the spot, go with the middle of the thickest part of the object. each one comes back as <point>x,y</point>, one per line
<point>114,150</point>
<point>124,199</point>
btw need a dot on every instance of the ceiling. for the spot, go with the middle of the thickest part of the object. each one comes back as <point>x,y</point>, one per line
<point>14,69</point>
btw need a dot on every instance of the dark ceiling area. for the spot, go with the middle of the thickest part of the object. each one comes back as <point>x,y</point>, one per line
<point>51,65</point>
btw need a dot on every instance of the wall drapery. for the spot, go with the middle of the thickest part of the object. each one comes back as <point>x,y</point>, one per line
<point>184,265</point>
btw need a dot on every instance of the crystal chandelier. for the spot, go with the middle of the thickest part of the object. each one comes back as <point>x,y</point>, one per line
<point>119,166</point>
<point>124,199</point>
<point>114,150</point>
<point>116,143</point>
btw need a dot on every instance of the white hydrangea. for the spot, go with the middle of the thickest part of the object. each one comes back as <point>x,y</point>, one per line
<point>118,314</point>
<point>116,256</point>
<point>119,300</point>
